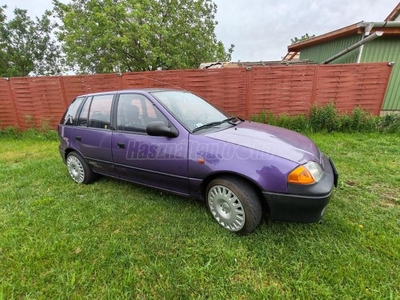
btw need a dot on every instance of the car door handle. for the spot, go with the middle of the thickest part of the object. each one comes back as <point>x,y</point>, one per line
<point>78,138</point>
<point>121,145</point>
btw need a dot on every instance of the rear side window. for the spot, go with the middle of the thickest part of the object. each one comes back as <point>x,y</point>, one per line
<point>96,112</point>
<point>100,112</point>
<point>70,115</point>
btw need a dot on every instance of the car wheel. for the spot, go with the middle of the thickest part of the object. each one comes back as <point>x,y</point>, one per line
<point>78,169</point>
<point>234,204</point>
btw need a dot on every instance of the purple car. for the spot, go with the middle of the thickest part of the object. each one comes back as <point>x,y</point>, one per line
<point>175,141</point>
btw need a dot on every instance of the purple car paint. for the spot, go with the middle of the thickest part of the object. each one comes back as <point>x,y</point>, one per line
<point>175,141</point>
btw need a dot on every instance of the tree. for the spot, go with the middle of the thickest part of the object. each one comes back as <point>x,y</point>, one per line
<point>137,35</point>
<point>27,46</point>
<point>296,40</point>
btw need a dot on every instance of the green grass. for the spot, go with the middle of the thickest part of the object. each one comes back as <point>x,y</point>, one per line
<point>115,240</point>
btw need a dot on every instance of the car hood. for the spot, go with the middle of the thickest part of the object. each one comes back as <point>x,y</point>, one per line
<point>270,139</point>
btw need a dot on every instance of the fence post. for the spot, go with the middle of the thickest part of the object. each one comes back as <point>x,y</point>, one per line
<point>314,87</point>
<point>183,81</point>
<point>64,95</point>
<point>247,94</point>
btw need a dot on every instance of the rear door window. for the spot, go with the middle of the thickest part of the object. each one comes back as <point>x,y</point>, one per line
<point>96,112</point>
<point>100,112</point>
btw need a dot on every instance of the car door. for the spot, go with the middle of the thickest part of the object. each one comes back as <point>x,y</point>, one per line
<point>92,133</point>
<point>156,161</point>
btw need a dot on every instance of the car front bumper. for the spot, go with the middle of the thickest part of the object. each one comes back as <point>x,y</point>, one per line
<point>304,203</point>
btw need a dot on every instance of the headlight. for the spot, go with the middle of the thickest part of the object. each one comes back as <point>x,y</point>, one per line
<point>306,174</point>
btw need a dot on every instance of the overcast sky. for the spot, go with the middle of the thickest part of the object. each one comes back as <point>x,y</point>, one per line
<point>262,29</point>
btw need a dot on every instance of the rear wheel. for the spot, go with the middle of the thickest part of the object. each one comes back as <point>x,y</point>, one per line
<point>234,204</point>
<point>78,169</point>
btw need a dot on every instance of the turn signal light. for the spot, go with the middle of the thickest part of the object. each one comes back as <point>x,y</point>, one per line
<point>301,175</point>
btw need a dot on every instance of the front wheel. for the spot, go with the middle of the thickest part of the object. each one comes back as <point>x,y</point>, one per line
<point>78,169</point>
<point>234,204</point>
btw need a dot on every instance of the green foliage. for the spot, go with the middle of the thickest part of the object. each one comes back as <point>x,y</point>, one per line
<point>296,40</point>
<point>39,134</point>
<point>297,123</point>
<point>138,35</point>
<point>389,123</point>
<point>43,131</point>
<point>10,132</point>
<point>261,118</point>
<point>327,119</point>
<point>27,46</point>
<point>324,118</point>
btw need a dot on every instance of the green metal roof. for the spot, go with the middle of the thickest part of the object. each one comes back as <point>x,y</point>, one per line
<point>381,50</point>
<point>321,52</point>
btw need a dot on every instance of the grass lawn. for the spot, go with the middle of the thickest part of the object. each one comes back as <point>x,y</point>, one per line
<point>115,240</point>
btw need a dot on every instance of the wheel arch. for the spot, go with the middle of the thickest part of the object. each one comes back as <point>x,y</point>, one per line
<point>69,150</point>
<point>255,186</point>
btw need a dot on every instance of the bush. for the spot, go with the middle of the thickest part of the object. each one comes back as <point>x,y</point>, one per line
<point>35,134</point>
<point>10,131</point>
<point>389,123</point>
<point>42,132</point>
<point>327,119</point>
<point>260,118</point>
<point>324,118</point>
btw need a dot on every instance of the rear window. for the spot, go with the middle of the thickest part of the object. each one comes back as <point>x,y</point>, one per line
<point>96,112</point>
<point>70,114</point>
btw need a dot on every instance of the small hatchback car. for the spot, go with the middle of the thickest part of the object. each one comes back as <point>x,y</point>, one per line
<point>175,141</point>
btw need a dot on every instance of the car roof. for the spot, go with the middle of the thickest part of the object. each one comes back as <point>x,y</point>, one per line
<point>141,90</point>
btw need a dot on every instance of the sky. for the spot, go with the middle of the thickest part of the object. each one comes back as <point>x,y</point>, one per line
<point>261,30</point>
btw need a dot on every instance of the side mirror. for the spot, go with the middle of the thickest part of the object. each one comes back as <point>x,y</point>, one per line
<point>159,128</point>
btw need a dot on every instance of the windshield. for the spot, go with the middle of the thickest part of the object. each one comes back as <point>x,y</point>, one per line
<point>190,110</point>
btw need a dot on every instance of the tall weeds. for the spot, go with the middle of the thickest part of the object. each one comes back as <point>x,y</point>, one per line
<point>327,119</point>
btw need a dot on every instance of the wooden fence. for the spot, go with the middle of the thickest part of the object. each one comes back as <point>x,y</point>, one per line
<point>33,101</point>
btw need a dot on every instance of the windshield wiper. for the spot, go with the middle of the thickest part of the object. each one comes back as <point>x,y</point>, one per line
<point>211,124</point>
<point>231,121</point>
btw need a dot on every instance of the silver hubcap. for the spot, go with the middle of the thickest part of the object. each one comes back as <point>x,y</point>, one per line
<point>226,208</point>
<point>75,169</point>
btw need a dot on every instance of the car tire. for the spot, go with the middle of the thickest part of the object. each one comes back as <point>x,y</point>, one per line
<point>234,204</point>
<point>78,169</point>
